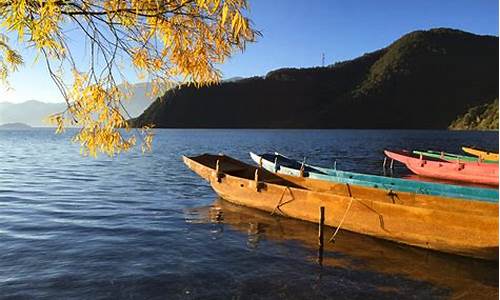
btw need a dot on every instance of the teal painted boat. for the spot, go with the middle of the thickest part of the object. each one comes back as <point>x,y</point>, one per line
<point>453,157</point>
<point>281,164</point>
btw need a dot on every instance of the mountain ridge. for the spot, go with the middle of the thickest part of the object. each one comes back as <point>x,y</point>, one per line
<point>425,79</point>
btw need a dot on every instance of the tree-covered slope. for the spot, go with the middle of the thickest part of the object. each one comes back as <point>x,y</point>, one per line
<point>480,117</point>
<point>423,80</point>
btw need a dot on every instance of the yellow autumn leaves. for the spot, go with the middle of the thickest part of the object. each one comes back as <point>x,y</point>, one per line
<point>96,110</point>
<point>10,60</point>
<point>169,42</point>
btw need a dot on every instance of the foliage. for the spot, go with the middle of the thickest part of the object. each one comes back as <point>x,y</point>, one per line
<point>436,46</point>
<point>480,117</point>
<point>423,80</point>
<point>169,41</point>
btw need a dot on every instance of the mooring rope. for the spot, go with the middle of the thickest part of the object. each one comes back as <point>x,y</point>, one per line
<point>280,202</point>
<point>341,221</point>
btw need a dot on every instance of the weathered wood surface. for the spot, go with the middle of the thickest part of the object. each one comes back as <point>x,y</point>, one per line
<point>278,163</point>
<point>463,227</point>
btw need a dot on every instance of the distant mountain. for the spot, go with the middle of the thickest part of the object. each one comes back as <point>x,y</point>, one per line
<point>31,112</point>
<point>480,117</point>
<point>233,79</point>
<point>34,112</point>
<point>425,79</point>
<point>139,99</point>
<point>15,126</point>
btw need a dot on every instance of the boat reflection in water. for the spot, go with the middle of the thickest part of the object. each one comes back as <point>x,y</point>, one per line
<point>463,277</point>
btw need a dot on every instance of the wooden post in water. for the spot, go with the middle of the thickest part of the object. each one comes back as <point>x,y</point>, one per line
<point>321,226</point>
<point>256,179</point>
<point>218,174</point>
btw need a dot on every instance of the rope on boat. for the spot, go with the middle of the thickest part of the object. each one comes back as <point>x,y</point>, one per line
<point>280,202</point>
<point>332,239</point>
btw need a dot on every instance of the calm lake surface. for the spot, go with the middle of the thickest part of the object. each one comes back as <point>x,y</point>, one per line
<point>144,226</point>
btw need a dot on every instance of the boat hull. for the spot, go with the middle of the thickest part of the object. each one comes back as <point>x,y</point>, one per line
<point>481,154</point>
<point>460,232</point>
<point>474,173</point>
<point>280,165</point>
<point>454,157</point>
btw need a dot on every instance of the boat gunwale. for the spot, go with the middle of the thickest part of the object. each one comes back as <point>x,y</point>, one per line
<point>231,181</point>
<point>466,172</point>
<point>456,158</point>
<point>432,159</point>
<point>480,153</point>
<point>455,197</point>
<point>326,193</point>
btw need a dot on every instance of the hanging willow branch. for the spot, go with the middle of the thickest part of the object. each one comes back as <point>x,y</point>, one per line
<point>170,42</point>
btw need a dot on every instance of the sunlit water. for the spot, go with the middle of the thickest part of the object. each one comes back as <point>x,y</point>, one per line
<point>144,226</point>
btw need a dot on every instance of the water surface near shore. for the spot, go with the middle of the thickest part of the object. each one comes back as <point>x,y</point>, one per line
<point>144,226</point>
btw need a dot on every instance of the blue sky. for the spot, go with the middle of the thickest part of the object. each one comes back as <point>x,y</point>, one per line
<point>296,33</point>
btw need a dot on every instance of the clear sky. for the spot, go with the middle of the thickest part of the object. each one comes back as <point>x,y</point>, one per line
<point>297,32</point>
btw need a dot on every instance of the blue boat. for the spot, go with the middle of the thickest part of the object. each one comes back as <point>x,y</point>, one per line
<point>278,163</point>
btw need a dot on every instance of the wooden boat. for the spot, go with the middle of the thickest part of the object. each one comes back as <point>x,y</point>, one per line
<point>456,226</point>
<point>454,157</point>
<point>481,153</point>
<point>475,173</point>
<point>282,164</point>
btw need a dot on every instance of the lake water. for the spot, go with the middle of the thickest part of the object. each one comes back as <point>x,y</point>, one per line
<point>144,226</point>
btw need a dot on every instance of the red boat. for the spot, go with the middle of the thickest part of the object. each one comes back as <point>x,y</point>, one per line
<point>458,171</point>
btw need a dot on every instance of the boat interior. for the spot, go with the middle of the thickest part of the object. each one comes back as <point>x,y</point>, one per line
<point>289,163</point>
<point>236,168</point>
<point>418,156</point>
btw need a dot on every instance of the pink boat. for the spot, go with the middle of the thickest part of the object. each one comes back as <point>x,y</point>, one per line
<point>459,171</point>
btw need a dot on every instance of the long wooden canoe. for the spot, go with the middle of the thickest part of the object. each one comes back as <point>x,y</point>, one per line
<point>475,173</point>
<point>458,226</point>
<point>454,157</point>
<point>284,165</point>
<point>481,153</point>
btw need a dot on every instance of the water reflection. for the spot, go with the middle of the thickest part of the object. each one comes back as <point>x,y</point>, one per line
<point>463,277</point>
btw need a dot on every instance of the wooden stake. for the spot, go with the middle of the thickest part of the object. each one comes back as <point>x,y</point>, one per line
<point>320,256</point>
<point>256,179</point>
<point>321,225</point>
<point>218,174</point>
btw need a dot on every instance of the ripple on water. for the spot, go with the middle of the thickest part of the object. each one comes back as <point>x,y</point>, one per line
<point>144,226</point>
